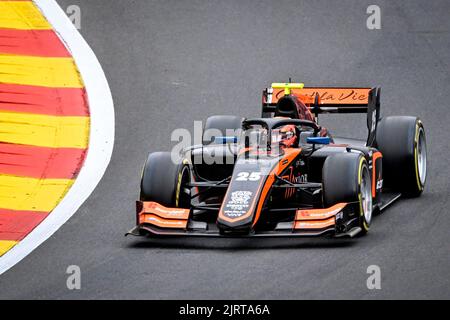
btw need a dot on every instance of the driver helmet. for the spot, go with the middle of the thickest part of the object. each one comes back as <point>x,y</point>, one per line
<point>286,136</point>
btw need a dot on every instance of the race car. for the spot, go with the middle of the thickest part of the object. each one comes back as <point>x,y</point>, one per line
<point>283,174</point>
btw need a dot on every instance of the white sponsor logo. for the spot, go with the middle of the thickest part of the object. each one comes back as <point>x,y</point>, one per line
<point>240,198</point>
<point>238,203</point>
<point>379,184</point>
<point>302,178</point>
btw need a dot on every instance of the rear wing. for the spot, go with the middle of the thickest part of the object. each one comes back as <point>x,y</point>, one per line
<point>328,100</point>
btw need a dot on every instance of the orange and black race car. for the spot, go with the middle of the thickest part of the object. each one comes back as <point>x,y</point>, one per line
<point>283,174</point>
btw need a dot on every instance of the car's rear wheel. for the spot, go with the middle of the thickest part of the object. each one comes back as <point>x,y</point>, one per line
<point>402,142</point>
<point>346,178</point>
<point>165,182</point>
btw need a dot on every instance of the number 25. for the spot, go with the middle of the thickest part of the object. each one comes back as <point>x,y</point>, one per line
<point>248,176</point>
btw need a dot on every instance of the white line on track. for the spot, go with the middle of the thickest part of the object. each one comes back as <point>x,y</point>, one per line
<point>101,138</point>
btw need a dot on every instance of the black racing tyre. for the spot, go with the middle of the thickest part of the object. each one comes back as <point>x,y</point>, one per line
<point>346,178</point>
<point>402,142</point>
<point>162,180</point>
<point>220,123</point>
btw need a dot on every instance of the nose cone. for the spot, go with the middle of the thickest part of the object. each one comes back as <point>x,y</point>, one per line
<point>238,207</point>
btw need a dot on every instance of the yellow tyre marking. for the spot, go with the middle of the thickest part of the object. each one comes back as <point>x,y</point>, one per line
<point>359,170</point>
<point>39,71</point>
<point>21,15</point>
<point>178,190</point>
<point>361,162</point>
<point>31,194</point>
<point>44,131</point>
<point>177,194</point>
<point>6,245</point>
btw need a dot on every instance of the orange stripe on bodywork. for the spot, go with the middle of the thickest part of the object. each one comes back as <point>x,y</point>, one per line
<point>318,214</point>
<point>315,224</point>
<point>290,155</point>
<point>164,212</point>
<point>375,156</point>
<point>163,223</point>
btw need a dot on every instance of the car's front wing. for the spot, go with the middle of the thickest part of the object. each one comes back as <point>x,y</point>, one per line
<point>153,219</point>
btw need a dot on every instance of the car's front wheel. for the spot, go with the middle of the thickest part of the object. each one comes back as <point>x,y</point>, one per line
<point>346,179</point>
<point>164,181</point>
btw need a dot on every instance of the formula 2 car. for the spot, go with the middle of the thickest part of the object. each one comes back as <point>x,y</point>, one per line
<point>283,174</point>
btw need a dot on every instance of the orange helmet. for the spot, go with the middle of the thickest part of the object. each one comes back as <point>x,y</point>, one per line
<point>286,136</point>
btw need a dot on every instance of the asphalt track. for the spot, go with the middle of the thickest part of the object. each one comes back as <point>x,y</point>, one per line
<point>172,62</point>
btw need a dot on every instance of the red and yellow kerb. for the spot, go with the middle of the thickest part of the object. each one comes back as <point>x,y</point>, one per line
<point>44,120</point>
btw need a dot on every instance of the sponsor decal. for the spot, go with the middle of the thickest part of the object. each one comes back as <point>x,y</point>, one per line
<point>168,211</point>
<point>330,95</point>
<point>379,184</point>
<point>238,204</point>
<point>163,212</point>
<point>303,178</point>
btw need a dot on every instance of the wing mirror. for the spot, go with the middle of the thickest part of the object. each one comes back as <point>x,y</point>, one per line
<point>225,139</point>
<point>318,140</point>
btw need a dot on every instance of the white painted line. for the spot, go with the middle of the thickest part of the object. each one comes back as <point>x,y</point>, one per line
<point>101,138</point>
